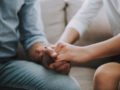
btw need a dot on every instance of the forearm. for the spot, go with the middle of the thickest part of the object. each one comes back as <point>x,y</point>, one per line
<point>81,20</point>
<point>106,48</point>
<point>69,36</point>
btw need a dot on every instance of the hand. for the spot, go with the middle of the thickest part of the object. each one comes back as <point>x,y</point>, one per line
<point>48,61</point>
<point>62,67</point>
<point>71,53</point>
<point>36,52</point>
<point>49,57</point>
<point>46,56</point>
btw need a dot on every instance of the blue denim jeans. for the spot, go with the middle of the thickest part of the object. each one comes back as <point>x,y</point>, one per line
<point>31,76</point>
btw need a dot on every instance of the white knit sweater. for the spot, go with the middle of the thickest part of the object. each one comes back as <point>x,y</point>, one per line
<point>90,9</point>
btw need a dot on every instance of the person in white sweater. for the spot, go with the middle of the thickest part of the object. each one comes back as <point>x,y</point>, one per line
<point>107,76</point>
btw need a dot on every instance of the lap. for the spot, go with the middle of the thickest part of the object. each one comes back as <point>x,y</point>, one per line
<point>29,75</point>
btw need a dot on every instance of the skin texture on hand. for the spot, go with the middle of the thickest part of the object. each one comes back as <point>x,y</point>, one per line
<point>47,56</point>
<point>62,67</point>
<point>48,61</point>
<point>72,53</point>
<point>36,52</point>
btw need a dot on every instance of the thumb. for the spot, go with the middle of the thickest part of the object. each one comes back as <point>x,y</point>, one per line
<point>51,52</point>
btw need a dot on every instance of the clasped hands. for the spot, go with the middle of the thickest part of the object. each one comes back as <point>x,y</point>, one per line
<point>47,56</point>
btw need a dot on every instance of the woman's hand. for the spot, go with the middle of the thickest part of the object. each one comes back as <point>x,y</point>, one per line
<point>68,52</point>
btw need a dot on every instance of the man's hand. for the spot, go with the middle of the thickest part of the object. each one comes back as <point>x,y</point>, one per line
<point>36,52</point>
<point>49,57</point>
<point>62,67</point>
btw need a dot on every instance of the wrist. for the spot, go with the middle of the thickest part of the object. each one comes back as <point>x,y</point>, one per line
<point>92,54</point>
<point>35,48</point>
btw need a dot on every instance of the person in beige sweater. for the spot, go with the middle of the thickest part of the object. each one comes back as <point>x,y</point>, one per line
<point>107,76</point>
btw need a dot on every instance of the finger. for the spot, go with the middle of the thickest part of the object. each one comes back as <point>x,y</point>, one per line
<point>65,68</point>
<point>47,60</point>
<point>61,67</point>
<point>62,57</point>
<point>59,46</point>
<point>51,52</point>
<point>56,65</point>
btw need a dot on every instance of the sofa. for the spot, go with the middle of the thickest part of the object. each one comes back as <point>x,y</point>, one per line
<point>56,14</point>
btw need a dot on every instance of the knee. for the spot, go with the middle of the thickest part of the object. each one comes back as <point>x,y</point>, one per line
<point>39,78</point>
<point>105,73</point>
<point>76,85</point>
<point>70,84</point>
<point>63,83</point>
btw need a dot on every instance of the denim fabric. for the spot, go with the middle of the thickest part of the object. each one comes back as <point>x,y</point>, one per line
<point>19,19</point>
<point>31,76</point>
<point>10,88</point>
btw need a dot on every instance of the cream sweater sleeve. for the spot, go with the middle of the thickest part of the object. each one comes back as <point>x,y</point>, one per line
<point>85,15</point>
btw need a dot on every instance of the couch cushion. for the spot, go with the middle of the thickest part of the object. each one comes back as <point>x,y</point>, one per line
<point>53,18</point>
